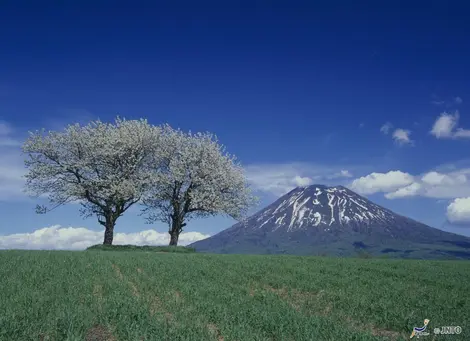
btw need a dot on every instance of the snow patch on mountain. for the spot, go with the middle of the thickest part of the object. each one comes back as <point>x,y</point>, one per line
<point>318,205</point>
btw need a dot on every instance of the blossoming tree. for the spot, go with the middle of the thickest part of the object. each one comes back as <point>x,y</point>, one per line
<point>102,166</point>
<point>197,179</point>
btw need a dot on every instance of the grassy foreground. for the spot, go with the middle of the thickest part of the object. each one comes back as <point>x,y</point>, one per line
<point>121,296</point>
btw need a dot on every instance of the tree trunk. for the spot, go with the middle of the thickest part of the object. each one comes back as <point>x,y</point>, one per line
<point>176,228</point>
<point>109,231</point>
<point>174,235</point>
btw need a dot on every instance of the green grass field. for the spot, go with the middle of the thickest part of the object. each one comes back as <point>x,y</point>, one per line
<point>123,295</point>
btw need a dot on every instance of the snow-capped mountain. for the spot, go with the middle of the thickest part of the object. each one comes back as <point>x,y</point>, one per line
<point>333,220</point>
<point>322,207</point>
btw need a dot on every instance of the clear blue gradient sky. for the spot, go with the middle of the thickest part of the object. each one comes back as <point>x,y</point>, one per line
<point>301,92</point>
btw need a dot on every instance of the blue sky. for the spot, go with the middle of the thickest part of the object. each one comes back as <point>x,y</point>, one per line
<point>301,92</point>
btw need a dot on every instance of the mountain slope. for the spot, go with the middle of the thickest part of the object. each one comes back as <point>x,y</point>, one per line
<point>334,220</point>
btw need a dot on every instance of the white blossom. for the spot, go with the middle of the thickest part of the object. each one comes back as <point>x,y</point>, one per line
<point>104,166</point>
<point>108,167</point>
<point>197,179</point>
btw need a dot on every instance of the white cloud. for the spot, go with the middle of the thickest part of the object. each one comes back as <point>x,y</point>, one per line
<point>406,191</point>
<point>445,185</point>
<point>381,182</point>
<point>446,126</point>
<point>458,211</point>
<point>278,179</point>
<point>344,173</point>
<point>458,100</point>
<point>79,238</point>
<point>402,136</point>
<point>385,129</point>
<point>460,132</point>
<point>433,184</point>
<point>302,181</point>
<point>437,179</point>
